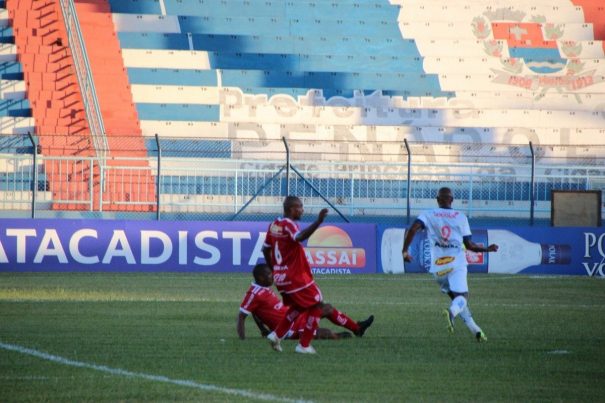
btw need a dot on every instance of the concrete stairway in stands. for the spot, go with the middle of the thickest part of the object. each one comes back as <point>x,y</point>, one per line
<point>131,188</point>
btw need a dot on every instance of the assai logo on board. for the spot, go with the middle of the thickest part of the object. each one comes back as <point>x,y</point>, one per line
<point>331,250</point>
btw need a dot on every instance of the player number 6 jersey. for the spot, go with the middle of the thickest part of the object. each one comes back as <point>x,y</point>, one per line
<point>291,270</point>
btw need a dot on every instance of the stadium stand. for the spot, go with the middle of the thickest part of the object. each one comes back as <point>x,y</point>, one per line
<point>403,51</point>
<point>211,76</point>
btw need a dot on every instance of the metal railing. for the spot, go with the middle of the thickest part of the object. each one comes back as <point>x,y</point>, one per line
<point>232,179</point>
<point>84,75</point>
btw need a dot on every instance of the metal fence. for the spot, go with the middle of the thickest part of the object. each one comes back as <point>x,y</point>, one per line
<point>246,179</point>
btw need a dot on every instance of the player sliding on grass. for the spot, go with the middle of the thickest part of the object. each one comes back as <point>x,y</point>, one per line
<point>448,230</point>
<point>292,274</point>
<point>267,310</point>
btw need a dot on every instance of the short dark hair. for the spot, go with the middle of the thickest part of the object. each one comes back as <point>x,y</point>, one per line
<point>443,190</point>
<point>259,269</point>
<point>289,200</point>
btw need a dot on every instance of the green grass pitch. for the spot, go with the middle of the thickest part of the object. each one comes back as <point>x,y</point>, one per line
<point>171,337</point>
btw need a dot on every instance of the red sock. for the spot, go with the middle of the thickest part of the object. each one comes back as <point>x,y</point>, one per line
<point>310,326</point>
<point>341,319</point>
<point>283,326</point>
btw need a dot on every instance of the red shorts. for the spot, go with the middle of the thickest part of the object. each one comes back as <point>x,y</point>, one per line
<point>303,299</point>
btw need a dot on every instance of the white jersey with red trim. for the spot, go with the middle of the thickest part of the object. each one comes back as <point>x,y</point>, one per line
<point>446,229</point>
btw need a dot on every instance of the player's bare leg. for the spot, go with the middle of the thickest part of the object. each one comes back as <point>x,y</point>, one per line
<point>457,305</point>
<point>467,317</point>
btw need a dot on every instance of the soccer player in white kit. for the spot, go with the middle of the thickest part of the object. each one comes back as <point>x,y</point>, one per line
<point>448,232</point>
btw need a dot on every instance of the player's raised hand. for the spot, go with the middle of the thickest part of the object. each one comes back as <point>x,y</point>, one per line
<point>322,214</point>
<point>492,248</point>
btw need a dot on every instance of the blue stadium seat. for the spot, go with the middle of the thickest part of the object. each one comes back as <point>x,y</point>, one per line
<point>172,77</point>
<point>186,112</point>
<point>9,70</point>
<point>415,83</point>
<point>15,108</point>
<point>188,148</point>
<point>235,25</point>
<point>300,26</point>
<point>300,45</point>
<point>7,35</point>
<point>135,6</point>
<point>263,44</point>
<point>152,40</point>
<point>20,181</point>
<point>374,10</point>
<point>220,8</point>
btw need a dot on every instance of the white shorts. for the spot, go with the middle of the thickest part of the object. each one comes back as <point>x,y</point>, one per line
<point>452,280</point>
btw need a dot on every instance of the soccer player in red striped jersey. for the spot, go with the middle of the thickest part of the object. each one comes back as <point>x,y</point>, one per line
<point>267,309</point>
<point>284,250</point>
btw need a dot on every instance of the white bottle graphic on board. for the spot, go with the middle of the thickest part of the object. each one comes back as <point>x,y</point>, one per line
<point>514,253</point>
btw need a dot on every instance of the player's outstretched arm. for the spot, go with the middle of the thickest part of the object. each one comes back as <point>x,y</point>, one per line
<point>473,247</point>
<point>267,255</point>
<point>241,328</point>
<point>307,232</point>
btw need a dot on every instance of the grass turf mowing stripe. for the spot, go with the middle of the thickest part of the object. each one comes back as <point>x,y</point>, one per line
<point>149,377</point>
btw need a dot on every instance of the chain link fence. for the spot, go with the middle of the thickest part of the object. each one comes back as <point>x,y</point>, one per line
<point>247,179</point>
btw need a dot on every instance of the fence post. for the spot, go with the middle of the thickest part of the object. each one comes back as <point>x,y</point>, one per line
<point>409,179</point>
<point>158,184</point>
<point>532,184</point>
<point>101,182</point>
<point>91,185</point>
<point>287,166</point>
<point>235,187</point>
<point>34,173</point>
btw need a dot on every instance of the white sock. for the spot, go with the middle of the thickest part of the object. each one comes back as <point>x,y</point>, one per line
<point>458,304</point>
<point>467,317</point>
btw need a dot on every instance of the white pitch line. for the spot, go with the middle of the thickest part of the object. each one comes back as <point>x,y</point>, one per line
<point>149,377</point>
